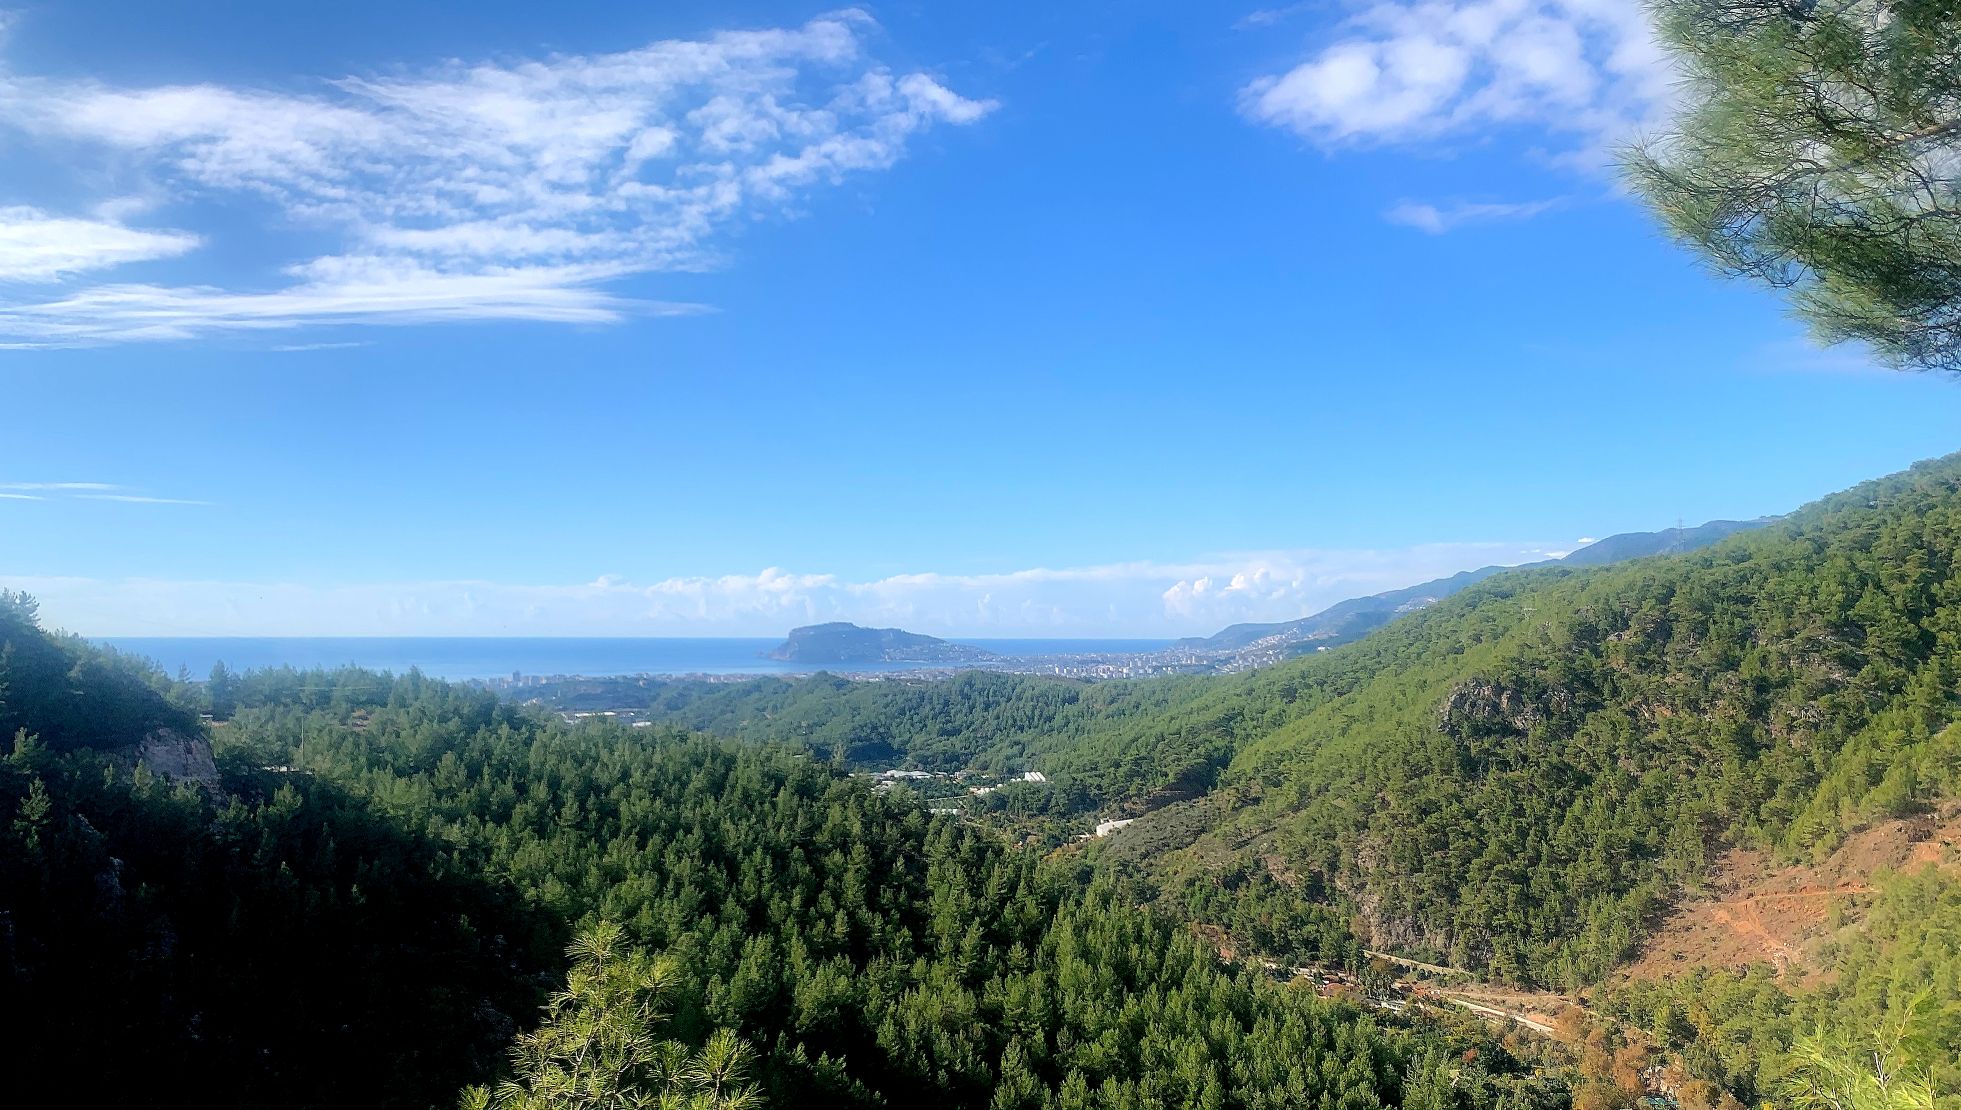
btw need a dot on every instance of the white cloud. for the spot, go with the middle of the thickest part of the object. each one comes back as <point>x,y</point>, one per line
<point>1268,17</point>
<point>339,290</point>
<point>502,190</point>
<point>96,487</point>
<point>295,348</point>
<point>1144,599</point>
<point>139,499</point>
<point>35,246</point>
<point>87,491</point>
<point>1583,73</point>
<point>1437,219</point>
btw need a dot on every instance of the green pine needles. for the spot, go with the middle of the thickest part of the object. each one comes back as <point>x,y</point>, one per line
<point>603,1044</point>
<point>1819,153</point>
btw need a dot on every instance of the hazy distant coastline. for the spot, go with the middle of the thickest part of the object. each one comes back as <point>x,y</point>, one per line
<point>487,658</point>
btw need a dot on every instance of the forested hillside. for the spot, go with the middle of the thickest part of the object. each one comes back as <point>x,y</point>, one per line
<point>1515,779</point>
<point>1522,776</point>
<point>1521,780</point>
<point>1100,740</point>
<point>71,694</point>
<point>383,902</point>
<point>1896,974</point>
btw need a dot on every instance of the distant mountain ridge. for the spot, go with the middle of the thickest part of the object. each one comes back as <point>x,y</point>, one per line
<point>843,642</point>
<point>1668,541</point>
<point>1358,616</point>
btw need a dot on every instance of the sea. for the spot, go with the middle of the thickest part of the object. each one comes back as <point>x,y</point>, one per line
<point>490,657</point>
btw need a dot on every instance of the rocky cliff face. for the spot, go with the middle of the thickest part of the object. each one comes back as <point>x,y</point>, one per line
<point>1389,919</point>
<point>178,757</point>
<point>1482,706</point>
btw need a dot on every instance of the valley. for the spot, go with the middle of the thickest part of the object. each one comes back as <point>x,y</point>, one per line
<point>1655,752</point>
<point>611,556</point>
<point>1537,821</point>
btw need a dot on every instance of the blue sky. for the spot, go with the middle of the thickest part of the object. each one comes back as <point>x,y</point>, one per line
<point>980,319</point>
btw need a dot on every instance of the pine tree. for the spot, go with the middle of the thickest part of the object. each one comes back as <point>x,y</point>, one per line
<point>1819,155</point>
<point>600,1046</point>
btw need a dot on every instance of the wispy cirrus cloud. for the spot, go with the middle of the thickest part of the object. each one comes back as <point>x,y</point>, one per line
<point>1440,218</point>
<point>1269,17</point>
<point>509,190</point>
<point>298,348</point>
<point>341,290</point>
<point>85,491</point>
<point>1578,75</point>
<point>35,246</point>
<point>1143,598</point>
<point>139,499</point>
<point>64,487</point>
